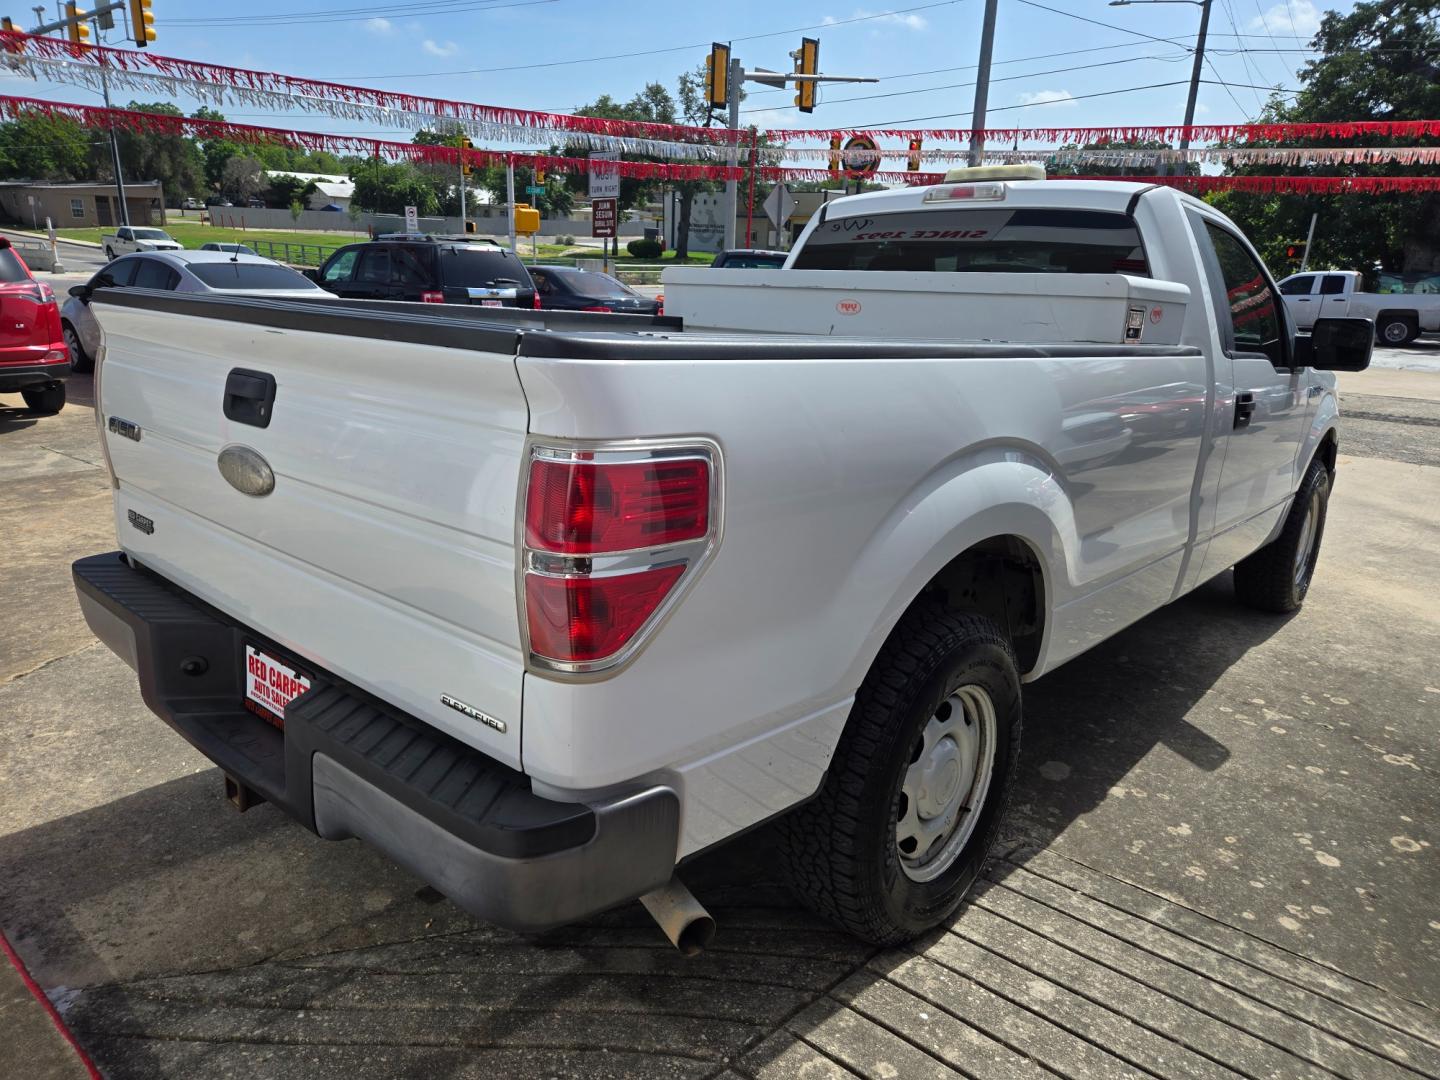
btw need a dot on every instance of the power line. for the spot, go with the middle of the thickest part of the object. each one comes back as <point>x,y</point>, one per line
<point>1108,26</point>
<point>334,15</point>
<point>656,52</point>
<point>959,86</point>
<point>1007,108</point>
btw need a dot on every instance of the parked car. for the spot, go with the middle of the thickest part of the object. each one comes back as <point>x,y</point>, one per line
<point>218,200</point>
<point>192,204</point>
<point>254,202</point>
<point>706,580</point>
<point>564,288</point>
<point>126,240</point>
<point>434,271</point>
<point>218,272</point>
<point>33,358</point>
<point>234,249</point>
<point>750,259</point>
<point>1400,316</point>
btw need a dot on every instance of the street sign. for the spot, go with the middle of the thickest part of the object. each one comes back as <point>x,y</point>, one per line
<point>412,219</point>
<point>604,183</point>
<point>604,215</point>
<point>534,189</point>
<point>862,155</point>
<point>779,205</point>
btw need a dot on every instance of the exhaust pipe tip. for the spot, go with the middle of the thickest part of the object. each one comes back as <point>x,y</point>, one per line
<point>683,919</point>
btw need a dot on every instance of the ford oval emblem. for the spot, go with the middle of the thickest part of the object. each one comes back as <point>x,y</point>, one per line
<point>246,471</point>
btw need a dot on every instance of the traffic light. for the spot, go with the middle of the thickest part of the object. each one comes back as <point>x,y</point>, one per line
<point>834,153</point>
<point>1294,251</point>
<point>914,162</point>
<point>463,142</point>
<point>79,32</point>
<point>539,177</point>
<point>717,76</point>
<point>807,62</point>
<point>142,22</point>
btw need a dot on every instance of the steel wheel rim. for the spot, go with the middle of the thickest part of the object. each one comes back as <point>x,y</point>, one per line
<point>1307,539</point>
<point>1396,332</point>
<point>946,783</point>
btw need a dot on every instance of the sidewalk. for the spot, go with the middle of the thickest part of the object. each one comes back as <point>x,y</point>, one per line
<point>1388,382</point>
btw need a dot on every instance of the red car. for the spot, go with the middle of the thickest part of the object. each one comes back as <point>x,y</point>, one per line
<point>33,358</point>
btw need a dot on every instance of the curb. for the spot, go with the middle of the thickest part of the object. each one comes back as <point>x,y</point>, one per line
<point>58,239</point>
<point>65,1033</point>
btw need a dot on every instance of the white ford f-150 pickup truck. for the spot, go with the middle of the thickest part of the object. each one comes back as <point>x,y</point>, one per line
<point>126,241</point>
<point>1399,317</point>
<point>542,604</point>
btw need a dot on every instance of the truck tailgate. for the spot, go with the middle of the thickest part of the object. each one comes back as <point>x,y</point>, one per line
<point>385,553</point>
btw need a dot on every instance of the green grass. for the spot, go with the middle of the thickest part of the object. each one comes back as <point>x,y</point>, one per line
<point>192,235</point>
<point>696,258</point>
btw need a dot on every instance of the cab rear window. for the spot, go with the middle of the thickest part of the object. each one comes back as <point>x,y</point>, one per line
<point>988,240</point>
<point>11,268</point>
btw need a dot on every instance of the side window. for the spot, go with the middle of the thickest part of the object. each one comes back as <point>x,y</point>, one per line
<point>1332,284</point>
<point>77,208</point>
<point>153,274</point>
<point>341,267</point>
<point>408,270</point>
<point>374,266</point>
<point>1297,286</point>
<point>543,284</point>
<point>1255,323</point>
<point>119,272</point>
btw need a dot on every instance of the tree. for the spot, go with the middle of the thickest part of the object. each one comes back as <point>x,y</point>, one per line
<point>242,177</point>
<point>695,111</point>
<point>174,160</point>
<point>36,147</point>
<point>388,189</point>
<point>1381,61</point>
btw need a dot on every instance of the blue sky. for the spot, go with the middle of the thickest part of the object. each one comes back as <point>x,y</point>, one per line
<point>549,54</point>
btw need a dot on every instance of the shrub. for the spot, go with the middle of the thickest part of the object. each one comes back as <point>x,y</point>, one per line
<point>644,249</point>
<point>568,241</point>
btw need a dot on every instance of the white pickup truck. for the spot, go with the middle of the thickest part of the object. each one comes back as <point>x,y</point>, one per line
<point>1399,317</point>
<point>542,604</point>
<point>126,241</point>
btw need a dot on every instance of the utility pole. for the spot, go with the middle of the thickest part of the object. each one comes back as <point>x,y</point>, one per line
<point>510,195</point>
<point>737,76</point>
<point>982,85</point>
<point>1309,239</point>
<point>114,140</point>
<point>1204,6</point>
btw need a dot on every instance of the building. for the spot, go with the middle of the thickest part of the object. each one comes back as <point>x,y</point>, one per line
<point>82,205</point>
<point>330,190</point>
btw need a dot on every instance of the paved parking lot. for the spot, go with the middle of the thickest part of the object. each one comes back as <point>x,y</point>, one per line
<point>1220,858</point>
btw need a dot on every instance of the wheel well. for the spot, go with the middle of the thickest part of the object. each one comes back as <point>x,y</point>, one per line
<point>1326,451</point>
<point>1399,313</point>
<point>1000,578</point>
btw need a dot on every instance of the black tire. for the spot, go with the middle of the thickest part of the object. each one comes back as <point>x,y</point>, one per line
<point>1396,330</point>
<point>79,359</point>
<point>1277,577</point>
<point>48,400</point>
<point>839,851</point>
<point>110,255</point>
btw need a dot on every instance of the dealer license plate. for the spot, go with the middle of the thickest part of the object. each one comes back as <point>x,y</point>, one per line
<point>270,685</point>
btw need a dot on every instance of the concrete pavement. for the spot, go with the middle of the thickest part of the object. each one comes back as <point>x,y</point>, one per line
<point>1220,859</point>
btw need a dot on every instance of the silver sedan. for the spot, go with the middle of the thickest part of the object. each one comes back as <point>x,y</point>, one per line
<point>218,273</point>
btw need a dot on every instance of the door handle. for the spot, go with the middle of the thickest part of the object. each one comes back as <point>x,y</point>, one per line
<point>249,397</point>
<point>1244,408</point>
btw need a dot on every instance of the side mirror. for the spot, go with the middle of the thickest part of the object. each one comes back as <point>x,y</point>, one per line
<point>311,272</point>
<point>80,292</point>
<point>1336,345</point>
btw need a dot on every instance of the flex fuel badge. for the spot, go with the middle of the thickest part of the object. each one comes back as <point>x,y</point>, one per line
<point>1134,325</point>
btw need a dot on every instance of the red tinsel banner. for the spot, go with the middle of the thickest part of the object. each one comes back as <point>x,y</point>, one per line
<point>1350,129</point>
<point>18,48</point>
<point>163,124</point>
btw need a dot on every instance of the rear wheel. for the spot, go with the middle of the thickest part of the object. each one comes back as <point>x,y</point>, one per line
<point>48,399</point>
<point>913,799</point>
<point>79,359</point>
<point>109,254</point>
<point>1396,330</point>
<point>1277,577</point>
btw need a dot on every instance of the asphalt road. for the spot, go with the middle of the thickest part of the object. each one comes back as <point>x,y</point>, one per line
<point>1219,860</point>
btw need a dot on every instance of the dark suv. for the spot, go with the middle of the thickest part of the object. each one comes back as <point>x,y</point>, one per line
<point>432,271</point>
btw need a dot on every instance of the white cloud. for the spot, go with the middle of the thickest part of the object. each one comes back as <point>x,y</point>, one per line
<point>906,21</point>
<point>1062,98</point>
<point>437,48</point>
<point>1288,17</point>
<point>379,26</point>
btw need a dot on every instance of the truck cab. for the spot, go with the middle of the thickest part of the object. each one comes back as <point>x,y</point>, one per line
<point>1400,314</point>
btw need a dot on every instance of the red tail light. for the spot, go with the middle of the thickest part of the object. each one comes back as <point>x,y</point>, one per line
<point>583,619</point>
<point>432,296</point>
<point>609,535</point>
<point>583,508</point>
<point>535,300</point>
<point>598,307</point>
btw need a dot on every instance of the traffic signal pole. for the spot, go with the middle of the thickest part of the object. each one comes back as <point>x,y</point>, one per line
<point>982,85</point>
<point>737,76</point>
<point>1309,239</point>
